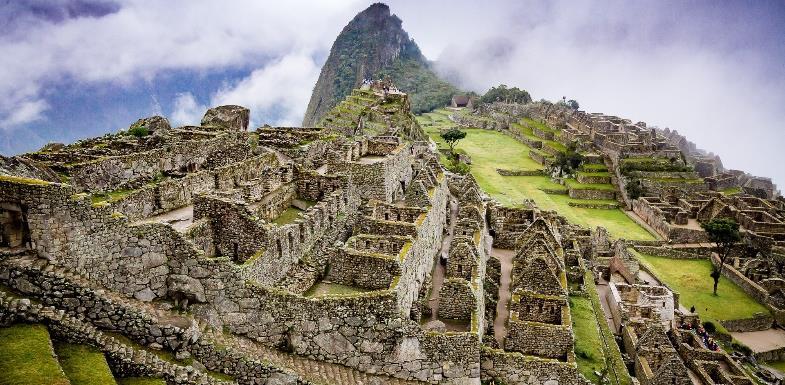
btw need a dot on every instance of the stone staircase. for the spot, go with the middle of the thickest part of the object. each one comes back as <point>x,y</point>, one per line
<point>116,349</point>
<point>308,370</point>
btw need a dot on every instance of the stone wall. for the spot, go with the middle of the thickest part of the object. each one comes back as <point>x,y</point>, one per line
<point>517,369</point>
<point>592,194</point>
<point>757,323</point>
<point>362,269</point>
<point>134,169</point>
<point>457,300</point>
<point>539,339</point>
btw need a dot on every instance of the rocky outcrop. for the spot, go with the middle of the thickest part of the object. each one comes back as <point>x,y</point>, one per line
<point>153,124</point>
<point>227,117</point>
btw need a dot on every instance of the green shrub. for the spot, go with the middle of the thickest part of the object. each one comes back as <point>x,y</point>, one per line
<point>710,327</point>
<point>741,348</point>
<point>138,131</point>
<point>459,167</point>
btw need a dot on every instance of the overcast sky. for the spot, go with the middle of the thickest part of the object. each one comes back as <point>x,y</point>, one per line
<point>714,71</point>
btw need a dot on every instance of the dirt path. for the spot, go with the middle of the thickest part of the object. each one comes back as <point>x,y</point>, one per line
<point>762,341</point>
<point>602,292</point>
<point>502,310</point>
<point>439,272</point>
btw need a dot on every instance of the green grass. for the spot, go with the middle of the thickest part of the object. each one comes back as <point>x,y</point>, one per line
<point>731,190</point>
<point>287,216</point>
<point>26,357</point>
<point>617,371</point>
<point>588,342</point>
<point>691,279</point>
<point>595,173</point>
<point>779,365</point>
<point>84,365</point>
<point>594,168</point>
<point>535,124</point>
<point>574,184</point>
<point>491,150</point>
<point>141,381</point>
<point>324,288</point>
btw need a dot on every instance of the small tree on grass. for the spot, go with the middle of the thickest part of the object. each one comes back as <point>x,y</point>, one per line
<point>724,233</point>
<point>569,160</point>
<point>452,137</point>
<point>635,189</point>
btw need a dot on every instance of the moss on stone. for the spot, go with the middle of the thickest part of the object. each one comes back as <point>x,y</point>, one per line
<point>22,180</point>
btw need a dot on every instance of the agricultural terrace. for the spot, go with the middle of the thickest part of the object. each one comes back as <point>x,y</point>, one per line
<point>491,150</point>
<point>690,278</point>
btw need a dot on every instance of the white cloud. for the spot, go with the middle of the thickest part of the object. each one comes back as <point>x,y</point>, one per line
<point>703,72</point>
<point>144,38</point>
<point>187,111</point>
<point>28,111</point>
<point>280,90</point>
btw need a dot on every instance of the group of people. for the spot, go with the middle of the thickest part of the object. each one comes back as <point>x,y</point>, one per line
<point>708,341</point>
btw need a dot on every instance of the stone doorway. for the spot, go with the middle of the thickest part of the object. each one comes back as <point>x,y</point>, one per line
<point>14,232</point>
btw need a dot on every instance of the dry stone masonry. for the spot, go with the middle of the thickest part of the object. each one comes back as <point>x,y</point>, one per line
<point>345,253</point>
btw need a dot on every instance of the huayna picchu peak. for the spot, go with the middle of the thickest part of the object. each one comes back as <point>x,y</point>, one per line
<point>408,233</point>
<point>374,46</point>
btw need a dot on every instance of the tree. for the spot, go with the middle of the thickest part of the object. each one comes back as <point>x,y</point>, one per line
<point>572,103</point>
<point>504,94</point>
<point>452,136</point>
<point>635,189</point>
<point>724,233</point>
<point>568,160</point>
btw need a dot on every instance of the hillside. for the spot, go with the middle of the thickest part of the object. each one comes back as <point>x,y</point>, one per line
<point>374,45</point>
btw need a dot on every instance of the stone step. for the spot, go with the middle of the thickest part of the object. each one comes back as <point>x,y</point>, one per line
<point>305,368</point>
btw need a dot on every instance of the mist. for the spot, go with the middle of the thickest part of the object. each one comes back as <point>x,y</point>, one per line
<point>714,72</point>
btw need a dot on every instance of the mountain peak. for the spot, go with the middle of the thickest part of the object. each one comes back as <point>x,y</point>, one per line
<point>371,46</point>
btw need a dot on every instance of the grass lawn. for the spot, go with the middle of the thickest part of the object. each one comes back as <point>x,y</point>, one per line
<point>491,150</point>
<point>691,279</point>
<point>84,365</point>
<point>731,190</point>
<point>287,216</point>
<point>779,365</point>
<point>588,343</point>
<point>26,357</point>
<point>140,381</point>
<point>574,184</point>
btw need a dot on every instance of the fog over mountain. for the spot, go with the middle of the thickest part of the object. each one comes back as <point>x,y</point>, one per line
<point>713,71</point>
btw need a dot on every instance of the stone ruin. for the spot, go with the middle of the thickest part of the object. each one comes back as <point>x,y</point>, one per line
<point>314,246</point>
<point>343,254</point>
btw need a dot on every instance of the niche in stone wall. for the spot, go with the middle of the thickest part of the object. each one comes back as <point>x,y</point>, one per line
<point>14,231</point>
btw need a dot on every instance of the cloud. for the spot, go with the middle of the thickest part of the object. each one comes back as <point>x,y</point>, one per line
<point>279,91</point>
<point>137,40</point>
<point>187,111</point>
<point>714,73</point>
<point>28,111</point>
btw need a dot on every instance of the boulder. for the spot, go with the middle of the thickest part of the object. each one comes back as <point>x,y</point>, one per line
<point>153,124</point>
<point>185,287</point>
<point>436,326</point>
<point>227,118</point>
